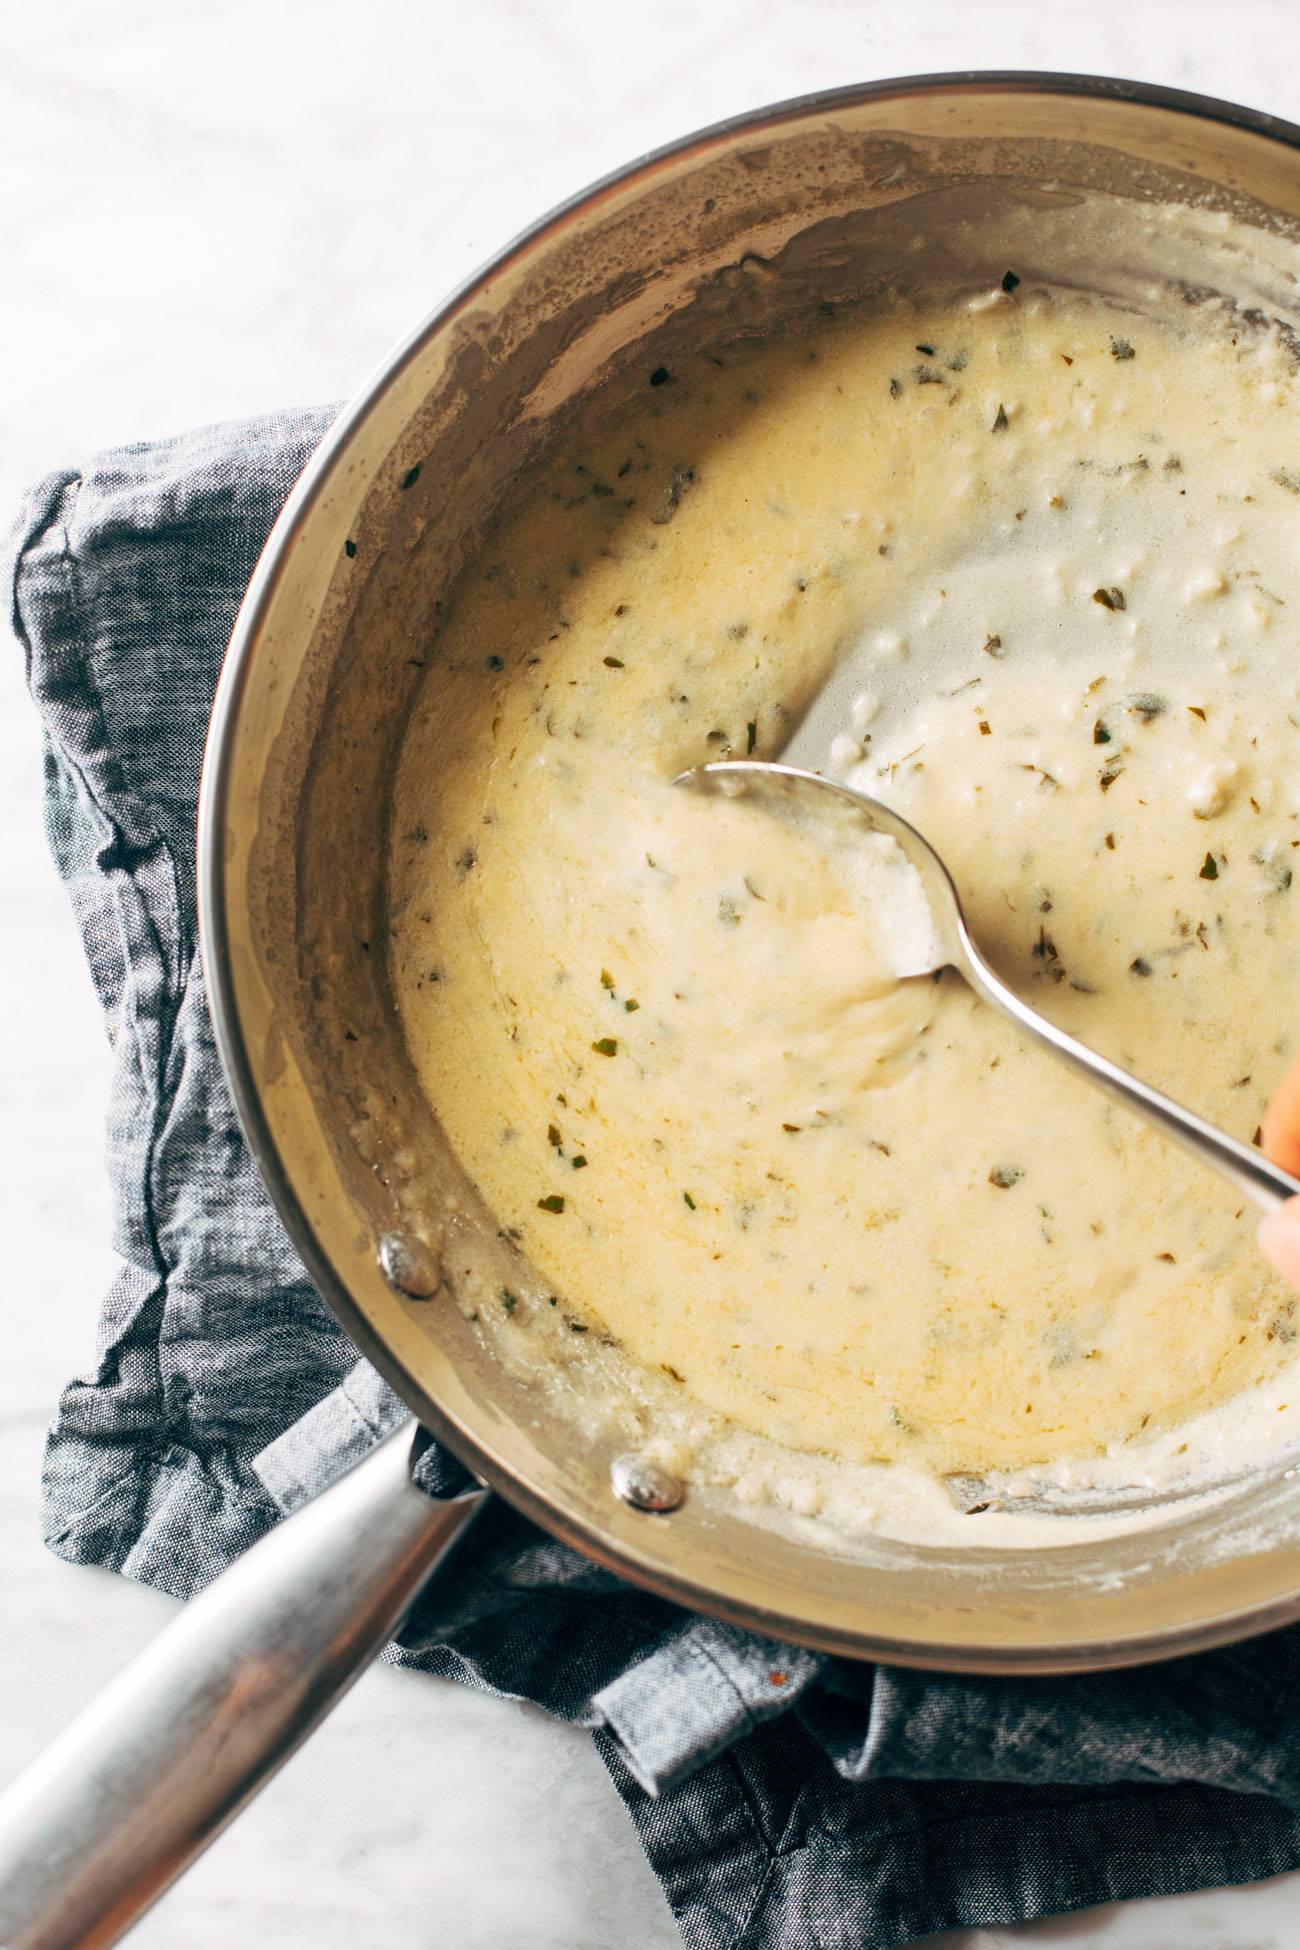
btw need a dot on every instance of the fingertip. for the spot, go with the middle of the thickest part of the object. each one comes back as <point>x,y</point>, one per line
<point>1279,1239</point>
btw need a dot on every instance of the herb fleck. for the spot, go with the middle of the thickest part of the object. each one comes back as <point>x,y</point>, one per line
<point>605,1046</point>
<point>681,479</point>
<point>751,736</point>
<point>1044,950</point>
<point>1110,598</point>
<point>1000,420</point>
<point>551,1203</point>
<point>614,663</point>
<point>631,1005</point>
<point>1005,1176</point>
<point>1209,868</point>
<point>1100,735</point>
<point>1139,967</point>
<point>689,1200</point>
<point>1009,281</point>
<point>349,548</point>
<point>993,647</point>
<point>661,376</point>
<point>1121,349</point>
<point>508,1299</point>
<point>1278,875</point>
<point>579,1163</point>
<point>410,477</point>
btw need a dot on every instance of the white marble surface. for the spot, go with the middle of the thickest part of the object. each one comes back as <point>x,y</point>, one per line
<point>217,206</point>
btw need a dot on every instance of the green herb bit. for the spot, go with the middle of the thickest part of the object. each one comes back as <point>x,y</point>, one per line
<point>605,1046</point>
<point>553,1135</point>
<point>751,736</point>
<point>1209,868</point>
<point>508,1299</point>
<point>579,1163</point>
<point>689,1200</point>
<point>1111,598</point>
<point>631,1005</point>
<point>1139,967</point>
<point>1121,349</point>
<point>1278,875</point>
<point>1100,735</point>
<point>1005,1176</point>
<point>1010,281</point>
<point>614,663</point>
<point>1000,420</point>
<point>1197,712</point>
<point>551,1203</point>
<point>1044,950</point>
<point>993,648</point>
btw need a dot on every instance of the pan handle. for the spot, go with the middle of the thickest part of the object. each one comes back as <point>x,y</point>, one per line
<point>104,1821</point>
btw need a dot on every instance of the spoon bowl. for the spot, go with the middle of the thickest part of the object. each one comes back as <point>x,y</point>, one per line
<point>953,946</point>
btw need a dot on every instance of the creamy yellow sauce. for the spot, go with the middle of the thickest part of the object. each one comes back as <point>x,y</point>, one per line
<point>1030,570</point>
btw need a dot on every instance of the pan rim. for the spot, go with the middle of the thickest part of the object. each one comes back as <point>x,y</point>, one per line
<point>215,933</point>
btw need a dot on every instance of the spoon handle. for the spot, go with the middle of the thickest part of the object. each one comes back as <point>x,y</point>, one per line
<point>1240,1164</point>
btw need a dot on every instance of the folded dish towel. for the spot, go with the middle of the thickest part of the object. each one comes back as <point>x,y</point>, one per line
<point>850,1807</point>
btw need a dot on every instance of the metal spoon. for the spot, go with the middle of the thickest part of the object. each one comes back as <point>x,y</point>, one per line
<point>1245,1168</point>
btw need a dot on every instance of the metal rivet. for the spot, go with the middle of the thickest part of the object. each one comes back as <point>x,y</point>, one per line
<point>410,1265</point>
<point>644,1484</point>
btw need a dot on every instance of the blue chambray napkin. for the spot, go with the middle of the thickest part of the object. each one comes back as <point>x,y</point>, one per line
<point>784,1800</point>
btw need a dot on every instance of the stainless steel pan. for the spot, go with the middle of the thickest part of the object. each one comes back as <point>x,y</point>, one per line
<point>324,660</point>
